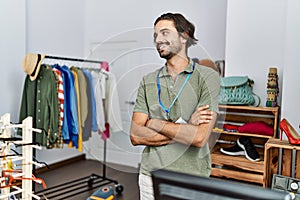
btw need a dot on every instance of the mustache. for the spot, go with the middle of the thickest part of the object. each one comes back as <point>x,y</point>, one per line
<point>162,43</point>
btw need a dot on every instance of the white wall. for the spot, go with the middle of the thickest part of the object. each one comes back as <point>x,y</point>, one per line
<point>291,90</point>
<point>12,50</point>
<point>106,20</point>
<point>261,34</point>
<point>55,28</point>
<point>255,39</point>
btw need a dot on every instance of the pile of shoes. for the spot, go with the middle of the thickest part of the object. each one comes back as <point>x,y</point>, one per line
<point>243,146</point>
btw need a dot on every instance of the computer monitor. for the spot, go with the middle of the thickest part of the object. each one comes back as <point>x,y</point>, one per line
<point>169,185</point>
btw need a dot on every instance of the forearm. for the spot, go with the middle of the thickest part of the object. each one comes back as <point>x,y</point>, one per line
<point>142,135</point>
<point>187,133</point>
<point>184,133</point>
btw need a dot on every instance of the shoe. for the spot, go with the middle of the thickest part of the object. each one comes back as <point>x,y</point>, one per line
<point>250,152</point>
<point>289,131</point>
<point>235,150</point>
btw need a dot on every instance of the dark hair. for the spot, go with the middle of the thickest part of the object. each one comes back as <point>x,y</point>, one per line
<point>181,24</point>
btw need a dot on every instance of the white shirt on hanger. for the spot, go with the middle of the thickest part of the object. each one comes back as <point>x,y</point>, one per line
<point>112,104</point>
<point>99,87</point>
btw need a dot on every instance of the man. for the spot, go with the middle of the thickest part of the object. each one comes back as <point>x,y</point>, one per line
<point>170,116</point>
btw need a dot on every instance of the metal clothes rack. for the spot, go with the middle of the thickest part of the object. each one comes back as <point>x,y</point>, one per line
<point>78,186</point>
<point>72,59</point>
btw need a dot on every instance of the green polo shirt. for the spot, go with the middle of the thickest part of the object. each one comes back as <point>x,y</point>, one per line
<point>202,88</point>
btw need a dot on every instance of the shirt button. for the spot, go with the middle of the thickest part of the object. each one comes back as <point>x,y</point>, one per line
<point>39,120</point>
<point>171,87</point>
<point>39,91</point>
<point>39,110</point>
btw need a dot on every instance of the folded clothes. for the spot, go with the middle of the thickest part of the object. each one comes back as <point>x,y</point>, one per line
<point>258,127</point>
<point>230,130</point>
<point>230,127</point>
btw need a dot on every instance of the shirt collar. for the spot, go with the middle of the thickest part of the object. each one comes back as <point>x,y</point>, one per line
<point>188,69</point>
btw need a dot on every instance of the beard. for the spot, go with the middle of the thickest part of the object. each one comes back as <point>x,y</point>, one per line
<point>166,55</point>
<point>168,50</point>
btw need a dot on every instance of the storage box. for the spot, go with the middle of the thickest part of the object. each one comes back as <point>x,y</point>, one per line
<point>284,163</point>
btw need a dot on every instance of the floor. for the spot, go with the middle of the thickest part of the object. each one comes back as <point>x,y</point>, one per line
<point>70,184</point>
<point>79,180</point>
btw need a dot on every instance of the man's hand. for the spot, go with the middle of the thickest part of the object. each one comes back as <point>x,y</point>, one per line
<point>201,116</point>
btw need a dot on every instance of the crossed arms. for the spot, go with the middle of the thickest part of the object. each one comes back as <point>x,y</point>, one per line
<point>155,132</point>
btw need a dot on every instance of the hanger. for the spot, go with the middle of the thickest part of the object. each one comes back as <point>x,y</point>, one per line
<point>98,69</point>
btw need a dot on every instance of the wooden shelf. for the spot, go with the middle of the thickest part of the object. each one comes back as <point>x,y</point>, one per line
<point>237,162</point>
<point>250,109</point>
<point>243,176</point>
<point>238,167</point>
<point>243,134</point>
<point>273,142</point>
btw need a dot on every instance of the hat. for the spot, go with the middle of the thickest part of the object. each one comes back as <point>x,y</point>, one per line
<point>32,64</point>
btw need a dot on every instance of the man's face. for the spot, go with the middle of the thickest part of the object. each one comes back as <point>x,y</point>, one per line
<point>167,40</point>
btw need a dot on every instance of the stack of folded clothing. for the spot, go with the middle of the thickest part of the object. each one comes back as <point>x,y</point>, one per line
<point>230,127</point>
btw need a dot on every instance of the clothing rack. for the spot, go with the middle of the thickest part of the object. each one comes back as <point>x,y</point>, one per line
<point>83,184</point>
<point>72,59</point>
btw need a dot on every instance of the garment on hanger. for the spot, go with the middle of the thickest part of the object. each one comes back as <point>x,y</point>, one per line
<point>106,133</point>
<point>64,126</point>
<point>60,95</point>
<point>82,87</point>
<point>93,102</point>
<point>70,133</point>
<point>40,101</point>
<point>112,109</point>
<point>90,122</point>
<point>99,94</point>
<point>77,143</point>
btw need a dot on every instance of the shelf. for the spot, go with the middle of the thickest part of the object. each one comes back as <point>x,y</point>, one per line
<point>236,167</point>
<point>250,109</point>
<point>243,176</point>
<point>273,142</point>
<point>240,162</point>
<point>239,167</point>
<point>242,134</point>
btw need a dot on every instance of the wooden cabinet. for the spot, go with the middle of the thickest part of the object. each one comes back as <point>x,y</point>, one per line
<point>281,158</point>
<point>238,167</point>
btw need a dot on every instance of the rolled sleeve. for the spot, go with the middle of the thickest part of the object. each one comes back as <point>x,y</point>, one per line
<point>141,102</point>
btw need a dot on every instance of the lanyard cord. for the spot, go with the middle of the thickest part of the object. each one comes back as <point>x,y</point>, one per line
<point>167,110</point>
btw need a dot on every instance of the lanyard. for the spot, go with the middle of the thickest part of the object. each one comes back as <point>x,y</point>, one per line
<point>167,110</point>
